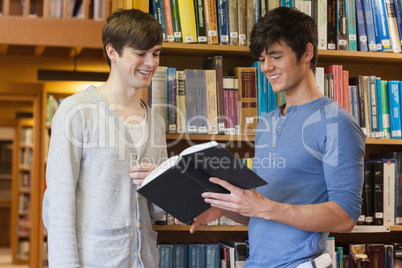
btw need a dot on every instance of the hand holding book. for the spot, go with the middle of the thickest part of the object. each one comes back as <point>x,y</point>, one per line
<point>177,184</point>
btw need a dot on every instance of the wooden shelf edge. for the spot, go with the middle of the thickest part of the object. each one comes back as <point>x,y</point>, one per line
<point>211,228</point>
<point>242,228</point>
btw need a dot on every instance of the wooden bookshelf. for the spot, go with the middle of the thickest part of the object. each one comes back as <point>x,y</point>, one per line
<point>42,32</point>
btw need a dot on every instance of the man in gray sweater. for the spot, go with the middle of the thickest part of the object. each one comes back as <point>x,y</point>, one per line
<point>91,210</point>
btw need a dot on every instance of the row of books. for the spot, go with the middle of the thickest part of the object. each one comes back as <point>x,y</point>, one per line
<point>26,138</point>
<point>364,25</point>
<point>225,254</point>
<point>203,101</point>
<point>374,103</point>
<point>365,255</point>
<point>170,220</point>
<point>382,191</point>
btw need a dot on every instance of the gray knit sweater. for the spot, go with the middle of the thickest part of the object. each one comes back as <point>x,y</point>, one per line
<point>91,210</point>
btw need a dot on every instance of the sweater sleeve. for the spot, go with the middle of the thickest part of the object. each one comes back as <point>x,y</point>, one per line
<point>62,173</point>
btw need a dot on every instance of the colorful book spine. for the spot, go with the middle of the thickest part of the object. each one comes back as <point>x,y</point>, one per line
<point>351,17</point>
<point>174,6</point>
<point>393,27</point>
<point>382,25</point>
<point>168,20</point>
<point>398,15</point>
<point>361,27</point>
<point>369,22</point>
<point>211,21</point>
<point>394,109</point>
<point>385,110</point>
<point>223,21</point>
<point>376,30</point>
<point>200,21</point>
<point>159,14</point>
<point>262,93</point>
<point>187,21</point>
<point>379,108</point>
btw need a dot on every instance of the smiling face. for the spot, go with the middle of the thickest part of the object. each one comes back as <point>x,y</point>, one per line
<point>281,67</point>
<point>135,68</point>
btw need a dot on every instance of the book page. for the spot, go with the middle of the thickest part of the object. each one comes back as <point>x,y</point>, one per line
<point>160,169</point>
<point>198,147</point>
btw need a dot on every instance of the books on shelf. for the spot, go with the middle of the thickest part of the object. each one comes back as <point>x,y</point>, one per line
<point>177,184</point>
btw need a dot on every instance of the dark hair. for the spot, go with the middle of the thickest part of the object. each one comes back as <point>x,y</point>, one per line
<point>285,24</point>
<point>132,28</point>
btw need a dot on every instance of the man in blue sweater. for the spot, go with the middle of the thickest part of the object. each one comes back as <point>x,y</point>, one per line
<point>309,150</point>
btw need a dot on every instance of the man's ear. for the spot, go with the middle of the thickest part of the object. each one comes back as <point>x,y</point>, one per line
<point>111,53</point>
<point>309,53</point>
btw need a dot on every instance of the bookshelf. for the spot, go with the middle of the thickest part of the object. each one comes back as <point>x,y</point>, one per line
<point>24,161</point>
<point>242,145</point>
<point>42,31</point>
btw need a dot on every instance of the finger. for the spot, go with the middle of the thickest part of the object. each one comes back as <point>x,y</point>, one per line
<point>147,166</point>
<point>224,184</point>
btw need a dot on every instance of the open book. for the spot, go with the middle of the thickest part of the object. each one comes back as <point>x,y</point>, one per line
<point>177,184</point>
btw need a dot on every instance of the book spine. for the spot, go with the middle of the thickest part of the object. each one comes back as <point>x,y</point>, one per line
<point>367,117</point>
<point>247,98</point>
<point>174,6</point>
<point>242,22</point>
<point>180,255</point>
<point>191,101</point>
<point>212,111</point>
<point>168,20</point>
<point>351,16</point>
<point>187,21</point>
<point>322,22</point>
<point>394,109</point>
<point>368,19</point>
<point>389,192</point>
<point>393,25</point>
<point>385,110</point>
<point>159,90</point>
<point>181,102</point>
<point>382,25</point>
<point>398,15</point>
<point>342,36</point>
<point>331,30</point>
<point>157,9</point>
<point>211,21</point>
<point>379,108</point>
<point>237,105</point>
<point>172,94</point>
<point>378,179</point>
<point>201,120</point>
<point>223,21</point>
<point>361,27</point>
<point>227,86</point>
<point>376,29</point>
<point>373,107</point>
<point>233,23</point>
<point>200,21</point>
<point>250,18</point>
